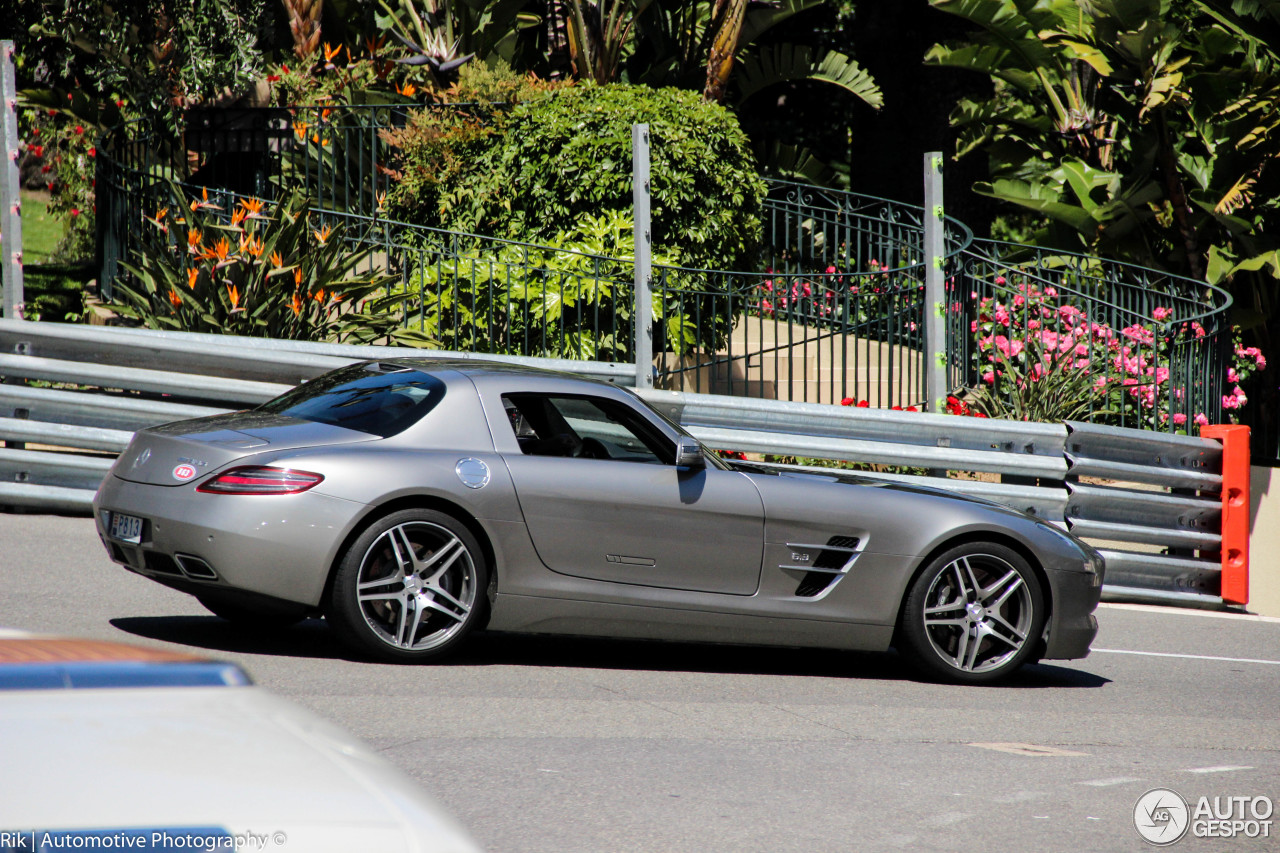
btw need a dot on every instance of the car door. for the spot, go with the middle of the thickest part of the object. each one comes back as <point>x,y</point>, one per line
<point>603,499</point>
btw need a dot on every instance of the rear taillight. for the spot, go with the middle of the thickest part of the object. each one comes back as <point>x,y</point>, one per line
<point>260,480</point>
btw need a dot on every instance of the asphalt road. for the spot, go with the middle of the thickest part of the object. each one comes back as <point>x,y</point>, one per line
<point>547,744</point>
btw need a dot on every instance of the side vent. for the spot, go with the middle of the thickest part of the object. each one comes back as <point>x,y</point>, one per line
<point>829,566</point>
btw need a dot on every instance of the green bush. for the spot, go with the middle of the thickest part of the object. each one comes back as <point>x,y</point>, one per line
<point>551,160</point>
<point>572,299</point>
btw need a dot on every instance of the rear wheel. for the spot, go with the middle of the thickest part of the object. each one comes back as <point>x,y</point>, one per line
<point>410,587</point>
<point>253,614</point>
<point>974,615</point>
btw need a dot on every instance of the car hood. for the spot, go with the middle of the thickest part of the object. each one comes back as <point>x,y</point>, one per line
<point>835,475</point>
<point>208,444</point>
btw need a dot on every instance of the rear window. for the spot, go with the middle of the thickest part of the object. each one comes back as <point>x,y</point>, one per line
<point>376,397</point>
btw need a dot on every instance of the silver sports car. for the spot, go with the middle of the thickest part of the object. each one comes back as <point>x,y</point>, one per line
<point>413,501</point>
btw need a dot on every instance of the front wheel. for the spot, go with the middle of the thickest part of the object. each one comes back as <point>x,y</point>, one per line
<point>410,587</point>
<point>974,615</point>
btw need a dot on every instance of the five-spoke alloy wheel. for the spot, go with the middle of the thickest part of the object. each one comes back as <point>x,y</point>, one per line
<point>975,614</point>
<point>410,587</point>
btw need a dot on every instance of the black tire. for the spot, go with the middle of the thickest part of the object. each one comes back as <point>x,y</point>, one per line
<point>264,615</point>
<point>974,615</point>
<point>407,608</point>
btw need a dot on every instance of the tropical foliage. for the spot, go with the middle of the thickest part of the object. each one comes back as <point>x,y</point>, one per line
<point>259,270</point>
<point>1141,130</point>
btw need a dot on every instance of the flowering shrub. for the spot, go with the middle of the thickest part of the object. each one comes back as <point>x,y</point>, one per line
<point>258,269</point>
<point>874,296</point>
<point>1040,357</point>
<point>67,150</point>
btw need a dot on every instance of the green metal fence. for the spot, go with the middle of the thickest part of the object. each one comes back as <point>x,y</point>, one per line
<point>835,309</point>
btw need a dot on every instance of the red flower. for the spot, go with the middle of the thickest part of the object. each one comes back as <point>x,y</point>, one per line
<point>36,150</point>
<point>79,129</point>
<point>93,152</point>
<point>847,401</point>
<point>284,68</point>
<point>75,211</point>
<point>120,103</point>
<point>273,78</point>
<point>863,404</point>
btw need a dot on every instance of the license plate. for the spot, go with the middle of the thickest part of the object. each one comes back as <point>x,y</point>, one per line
<point>126,528</point>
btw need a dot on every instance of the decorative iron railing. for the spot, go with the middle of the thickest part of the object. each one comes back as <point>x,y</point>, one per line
<point>835,310</point>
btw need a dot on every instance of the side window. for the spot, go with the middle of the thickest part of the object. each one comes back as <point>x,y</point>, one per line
<point>584,427</point>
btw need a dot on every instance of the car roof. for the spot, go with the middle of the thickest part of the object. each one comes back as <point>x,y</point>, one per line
<point>474,367</point>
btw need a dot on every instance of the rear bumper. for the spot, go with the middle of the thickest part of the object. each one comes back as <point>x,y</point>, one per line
<point>281,546</point>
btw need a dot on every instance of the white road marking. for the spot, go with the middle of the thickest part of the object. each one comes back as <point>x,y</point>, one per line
<point>1034,750</point>
<point>1186,657</point>
<point>1183,611</point>
<point>1106,783</point>
<point>1226,768</point>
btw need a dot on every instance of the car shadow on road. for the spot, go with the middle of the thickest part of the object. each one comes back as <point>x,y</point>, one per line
<point>312,639</point>
<point>652,655</point>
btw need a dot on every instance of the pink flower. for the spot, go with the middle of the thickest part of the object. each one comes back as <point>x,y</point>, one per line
<point>766,305</point>
<point>1232,376</point>
<point>1161,313</point>
<point>1179,419</point>
<point>989,378</point>
<point>1000,280</point>
<point>1002,315</point>
<point>830,270</point>
<point>1201,420</point>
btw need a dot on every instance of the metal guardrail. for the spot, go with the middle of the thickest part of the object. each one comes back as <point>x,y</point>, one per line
<point>1150,501</point>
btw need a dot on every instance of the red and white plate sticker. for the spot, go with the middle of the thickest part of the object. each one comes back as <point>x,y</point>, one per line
<point>184,472</point>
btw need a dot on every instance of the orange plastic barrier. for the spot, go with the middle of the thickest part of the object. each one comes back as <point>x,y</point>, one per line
<point>1235,509</point>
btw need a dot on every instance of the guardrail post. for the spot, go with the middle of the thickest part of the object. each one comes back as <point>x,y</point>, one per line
<point>10,196</point>
<point>643,309</point>
<point>935,304</point>
<point>1235,509</point>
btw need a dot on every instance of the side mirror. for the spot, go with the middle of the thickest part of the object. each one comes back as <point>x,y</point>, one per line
<point>689,454</point>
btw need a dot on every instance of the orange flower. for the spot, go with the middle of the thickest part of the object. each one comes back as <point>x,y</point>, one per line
<point>192,275</point>
<point>322,235</point>
<point>161,213</point>
<point>300,130</point>
<point>255,247</point>
<point>220,250</point>
<point>318,296</point>
<point>325,113</point>
<point>193,238</point>
<point>408,90</point>
<point>374,45</point>
<point>236,218</point>
<point>252,206</point>
<point>297,276</point>
<point>276,260</point>
<point>234,294</point>
<point>175,298</point>
<point>382,200</point>
<point>296,304</point>
<point>331,52</point>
